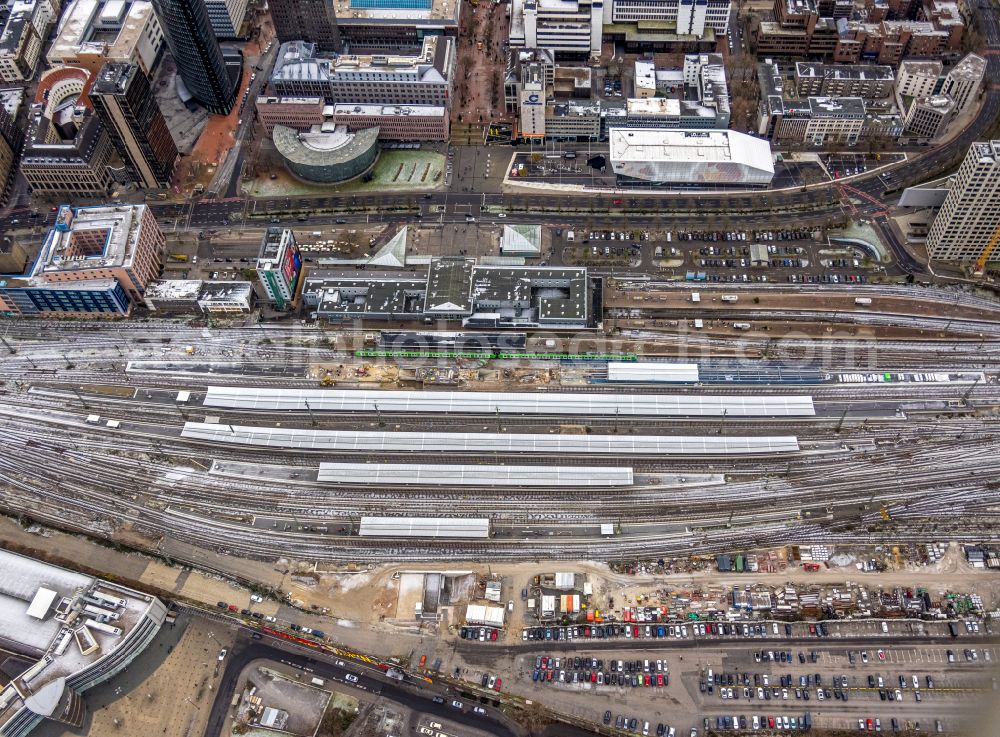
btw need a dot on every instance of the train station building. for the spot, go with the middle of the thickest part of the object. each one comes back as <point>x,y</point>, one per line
<point>456,289</point>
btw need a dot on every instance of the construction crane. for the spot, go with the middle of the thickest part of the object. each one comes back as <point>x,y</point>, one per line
<point>843,189</point>
<point>991,246</point>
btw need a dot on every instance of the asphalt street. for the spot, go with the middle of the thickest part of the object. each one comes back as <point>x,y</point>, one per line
<point>413,695</point>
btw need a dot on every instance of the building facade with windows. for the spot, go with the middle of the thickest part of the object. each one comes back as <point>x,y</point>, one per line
<point>125,103</point>
<point>201,65</point>
<point>869,81</point>
<point>120,242</point>
<point>279,267</point>
<point>92,298</point>
<point>919,78</point>
<point>227,17</point>
<point>384,26</point>
<point>425,78</point>
<point>928,117</point>
<point>964,80</point>
<point>396,122</point>
<point>970,216</point>
<point>312,21</point>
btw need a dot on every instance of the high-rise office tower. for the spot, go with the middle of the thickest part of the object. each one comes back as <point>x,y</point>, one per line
<point>124,101</point>
<point>968,223</point>
<point>196,51</point>
<point>306,20</point>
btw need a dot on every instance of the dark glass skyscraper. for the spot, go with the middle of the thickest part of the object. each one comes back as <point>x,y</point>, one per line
<point>197,53</point>
<point>123,99</point>
<point>306,20</point>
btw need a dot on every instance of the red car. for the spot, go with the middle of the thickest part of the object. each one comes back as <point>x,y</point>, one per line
<point>770,722</point>
<point>496,686</point>
<point>812,629</point>
<point>593,676</point>
<point>870,724</point>
<point>233,608</point>
<point>659,679</point>
<point>635,630</point>
<point>548,675</point>
<point>616,202</point>
<point>647,680</point>
<point>493,635</point>
<point>586,631</point>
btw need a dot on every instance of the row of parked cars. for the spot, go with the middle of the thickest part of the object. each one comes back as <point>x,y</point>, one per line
<point>632,725</point>
<point>652,631</point>
<point>246,612</point>
<point>742,723</point>
<point>634,673</point>
<point>483,634</point>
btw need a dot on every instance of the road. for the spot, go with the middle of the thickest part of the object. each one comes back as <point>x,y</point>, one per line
<point>412,695</point>
<point>742,208</point>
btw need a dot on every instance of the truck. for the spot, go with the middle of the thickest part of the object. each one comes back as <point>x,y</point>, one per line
<point>318,682</point>
<point>741,325</point>
<point>812,567</point>
<point>730,298</point>
<point>178,257</point>
<point>862,300</point>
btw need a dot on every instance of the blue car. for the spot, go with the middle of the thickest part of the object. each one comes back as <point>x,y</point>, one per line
<point>659,632</point>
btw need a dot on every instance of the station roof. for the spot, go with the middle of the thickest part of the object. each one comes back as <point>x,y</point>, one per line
<point>653,371</point>
<point>437,527</point>
<point>408,474</point>
<point>349,441</point>
<point>491,403</point>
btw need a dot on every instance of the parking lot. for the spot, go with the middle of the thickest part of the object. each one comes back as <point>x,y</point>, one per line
<point>791,256</point>
<point>749,676</point>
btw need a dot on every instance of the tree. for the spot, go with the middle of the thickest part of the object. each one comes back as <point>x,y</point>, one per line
<point>534,717</point>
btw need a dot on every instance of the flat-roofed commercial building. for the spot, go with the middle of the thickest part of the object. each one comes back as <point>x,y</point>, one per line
<point>76,165</point>
<point>22,37</point>
<point>279,266</point>
<point>94,32</point>
<point>928,117</point>
<point>422,78</point>
<point>120,242</point>
<point>381,25</point>
<point>90,298</point>
<point>76,630</point>
<point>313,21</point>
<point>570,28</point>
<point>689,17</point>
<point>963,81</point>
<point>396,122</point>
<point>869,81</point>
<point>970,216</point>
<point>225,297</point>
<point>573,121</point>
<point>300,113</point>
<point>457,289</point>
<point>919,77</point>
<point>691,158</point>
